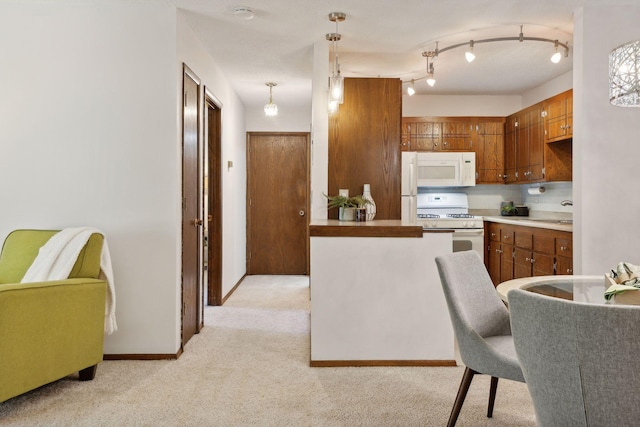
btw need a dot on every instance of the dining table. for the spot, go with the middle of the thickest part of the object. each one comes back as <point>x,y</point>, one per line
<point>582,288</point>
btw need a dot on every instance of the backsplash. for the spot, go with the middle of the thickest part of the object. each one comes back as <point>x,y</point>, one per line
<point>549,201</point>
<point>488,197</point>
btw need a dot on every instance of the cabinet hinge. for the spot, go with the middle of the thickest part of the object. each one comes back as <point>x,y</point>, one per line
<point>544,171</point>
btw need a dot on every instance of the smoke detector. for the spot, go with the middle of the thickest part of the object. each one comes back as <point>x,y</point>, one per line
<point>243,13</point>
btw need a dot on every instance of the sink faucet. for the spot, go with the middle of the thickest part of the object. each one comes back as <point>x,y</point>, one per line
<point>567,203</point>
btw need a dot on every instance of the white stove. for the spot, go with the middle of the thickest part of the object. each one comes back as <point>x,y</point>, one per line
<point>446,211</point>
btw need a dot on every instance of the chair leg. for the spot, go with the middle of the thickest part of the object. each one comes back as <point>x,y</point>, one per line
<point>87,374</point>
<point>492,396</point>
<point>462,393</point>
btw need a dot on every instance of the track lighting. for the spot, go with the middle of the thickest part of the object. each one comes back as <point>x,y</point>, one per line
<point>271,109</point>
<point>469,54</point>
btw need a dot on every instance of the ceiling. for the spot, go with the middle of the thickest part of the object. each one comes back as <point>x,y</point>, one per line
<point>383,38</point>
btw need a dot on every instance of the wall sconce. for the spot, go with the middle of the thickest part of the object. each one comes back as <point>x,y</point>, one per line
<point>624,75</point>
<point>271,109</point>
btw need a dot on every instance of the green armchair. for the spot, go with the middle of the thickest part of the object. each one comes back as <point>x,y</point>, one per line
<point>48,330</point>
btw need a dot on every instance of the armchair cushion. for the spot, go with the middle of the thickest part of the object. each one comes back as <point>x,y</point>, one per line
<point>21,248</point>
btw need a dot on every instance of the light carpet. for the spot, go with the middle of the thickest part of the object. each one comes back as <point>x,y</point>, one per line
<point>249,366</point>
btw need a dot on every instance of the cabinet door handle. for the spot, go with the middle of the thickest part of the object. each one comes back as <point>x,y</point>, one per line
<point>498,251</point>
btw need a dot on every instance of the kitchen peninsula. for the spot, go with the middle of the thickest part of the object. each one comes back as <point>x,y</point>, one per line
<point>376,297</point>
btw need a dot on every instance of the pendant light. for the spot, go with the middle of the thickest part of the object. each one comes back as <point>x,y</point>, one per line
<point>336,81</point>
<point>271,109</point>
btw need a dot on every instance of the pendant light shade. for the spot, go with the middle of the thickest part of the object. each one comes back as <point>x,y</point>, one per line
<point>271,109</point>
<point>624,75</point>
<point>336,88</point>
<point>336,81</point>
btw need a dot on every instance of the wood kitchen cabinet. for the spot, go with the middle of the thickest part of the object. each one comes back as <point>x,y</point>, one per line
<point>524,144</point>
<point>510,144</point>
<point>500,256</point>
<point>564,255</point>
<point>457,135</point>
<point>490,150</point>
<point>482,135</point>
<point>558,112</point>
<point>516,251</point>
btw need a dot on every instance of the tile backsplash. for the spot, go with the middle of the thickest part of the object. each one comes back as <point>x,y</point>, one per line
<point>489,197</point>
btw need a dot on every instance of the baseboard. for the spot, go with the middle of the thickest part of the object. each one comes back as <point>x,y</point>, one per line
<point>153,356</point>
<point>356,363</point>
<point>226,297</point>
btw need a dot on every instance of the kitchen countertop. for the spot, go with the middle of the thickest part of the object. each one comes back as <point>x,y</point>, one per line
<point>376,228</point>
<point>551,222</point>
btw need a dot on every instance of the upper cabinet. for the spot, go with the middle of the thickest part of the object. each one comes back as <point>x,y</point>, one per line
<point>532,145</point>
<point>558,112</point>
<point>482,135</point>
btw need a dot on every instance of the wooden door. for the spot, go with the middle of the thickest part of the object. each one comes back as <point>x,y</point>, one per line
<point>278,203</point>
<point>213,194</point>
<point>191,222</point>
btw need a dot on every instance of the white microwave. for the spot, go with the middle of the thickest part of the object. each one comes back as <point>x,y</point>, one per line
<point>446,169</point>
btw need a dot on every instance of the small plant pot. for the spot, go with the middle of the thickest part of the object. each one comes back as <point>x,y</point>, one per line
<point>347,214</point>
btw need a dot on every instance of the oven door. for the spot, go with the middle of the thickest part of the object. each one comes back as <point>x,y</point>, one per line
<point>469,239</point>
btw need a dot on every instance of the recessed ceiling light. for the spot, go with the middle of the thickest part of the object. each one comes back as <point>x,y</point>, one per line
<point>243,13</point>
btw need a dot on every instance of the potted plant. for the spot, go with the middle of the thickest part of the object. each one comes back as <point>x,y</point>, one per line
<point>508,210</point>
<point>347,206</point>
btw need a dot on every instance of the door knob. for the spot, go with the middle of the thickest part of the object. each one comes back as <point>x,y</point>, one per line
<point>197,222</point>
<point>301,212</point>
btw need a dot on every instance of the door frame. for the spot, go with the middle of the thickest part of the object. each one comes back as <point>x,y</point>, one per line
<point>212,208</point>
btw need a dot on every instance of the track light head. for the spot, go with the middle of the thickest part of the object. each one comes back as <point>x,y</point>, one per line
<point>469,55</point>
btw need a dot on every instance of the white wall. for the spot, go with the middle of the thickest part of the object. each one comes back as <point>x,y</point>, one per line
<point>558,85</point>
<point>460,105</point>
<point>234,183</point>
<point>88,137</point>
<point>91,135</point>
<point>320,131</point>
<point>289,119</point>
<point>605,145</point>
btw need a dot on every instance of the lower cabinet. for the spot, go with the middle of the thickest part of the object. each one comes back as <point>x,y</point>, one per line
<point>515,251</point>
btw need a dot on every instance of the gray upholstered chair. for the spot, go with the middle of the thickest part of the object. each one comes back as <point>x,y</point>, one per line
<point>580,360</point>
<point>480,322</point>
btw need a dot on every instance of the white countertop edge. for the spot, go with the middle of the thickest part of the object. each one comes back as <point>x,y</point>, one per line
<point>525,221</point>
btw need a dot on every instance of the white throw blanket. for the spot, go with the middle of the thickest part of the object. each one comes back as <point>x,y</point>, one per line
<point>57,257</point>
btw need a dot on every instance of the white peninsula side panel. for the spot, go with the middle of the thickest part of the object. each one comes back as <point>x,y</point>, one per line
<point>379,299</point>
